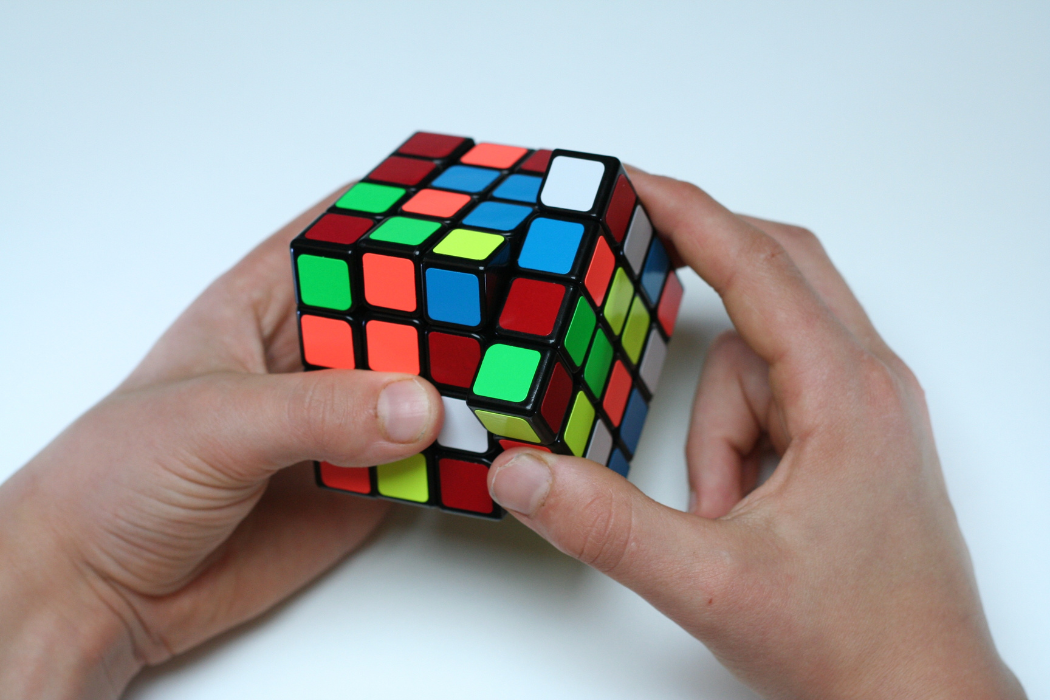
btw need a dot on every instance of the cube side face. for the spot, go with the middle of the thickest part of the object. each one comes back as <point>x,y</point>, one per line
<point>527,285</point>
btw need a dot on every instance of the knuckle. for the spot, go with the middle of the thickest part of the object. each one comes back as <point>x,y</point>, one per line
<point>882,389</point>
<point>603,532</point>
<point>802,237</point>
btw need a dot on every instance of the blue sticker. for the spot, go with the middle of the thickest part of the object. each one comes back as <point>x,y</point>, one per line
<point>633,421</point>
<point>520,188</point>
<point>619,463</point>
<point>497,216</point>
<point>464,178</point>
<point>655,271</point>
<point>551,246</point>
<point>453,297</point>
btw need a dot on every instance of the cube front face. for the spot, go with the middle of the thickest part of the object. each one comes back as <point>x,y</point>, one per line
<point>527,285</point>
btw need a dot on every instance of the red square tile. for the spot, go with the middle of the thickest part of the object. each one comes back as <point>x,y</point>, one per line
<point>438,203</point>
<point>600,271</point>
<point>464,485</point>
<point>427,145</point>
<point>392,347</point>
<point>556,399</point>
<point>339,228</point>
<point>532,306</point>
<point>537,162</point>
<point>493,155</point>
<point>327,342</point>
<point>402,171</point>
<point>511,444</point>
<point>618,215</point>
<point>617,392</point>
<point>390,282</point>
<point>671,299</point>
<point>454,359</point>
<point>355,479</point>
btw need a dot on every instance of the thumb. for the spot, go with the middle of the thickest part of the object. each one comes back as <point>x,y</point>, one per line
<point>593,514</point>
<point>247,426</point>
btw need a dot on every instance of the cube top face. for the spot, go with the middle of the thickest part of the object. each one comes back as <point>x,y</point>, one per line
<point>527,285</point>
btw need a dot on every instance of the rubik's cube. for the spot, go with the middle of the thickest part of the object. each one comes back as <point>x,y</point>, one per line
<point>527,286</point>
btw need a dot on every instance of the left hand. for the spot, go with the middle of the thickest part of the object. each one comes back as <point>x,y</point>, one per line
<point>164,515</point>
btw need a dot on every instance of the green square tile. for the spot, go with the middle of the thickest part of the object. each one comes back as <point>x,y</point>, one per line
<point>367,196</point>
<point>405,479</point>
<point>636,329</point>
<point>598,363</point>
<point>324,282</point>
<point>403,230</point>
<point>507,372</point>
<point>578,427</point>
<point>620,293</point>
<point>512,427</point>
<point>581,328</point>
<point>473,245</point>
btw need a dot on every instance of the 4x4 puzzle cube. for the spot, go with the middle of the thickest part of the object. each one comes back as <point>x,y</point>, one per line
<point>526,285</point>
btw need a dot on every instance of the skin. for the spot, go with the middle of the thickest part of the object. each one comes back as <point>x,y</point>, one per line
<point>169,513</point>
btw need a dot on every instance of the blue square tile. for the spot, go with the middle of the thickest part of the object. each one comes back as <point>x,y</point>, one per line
<point>453,297</point>
<point>618,463</point>
<point>464,178</point>
<point>655,271</point>
<point>633,421</point>
<point>520,188</point>
<point>497,216</point>
<point>551,246</point>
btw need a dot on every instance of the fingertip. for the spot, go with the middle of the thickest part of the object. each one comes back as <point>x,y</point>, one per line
<point>409,410</point>
<point>520,480</point>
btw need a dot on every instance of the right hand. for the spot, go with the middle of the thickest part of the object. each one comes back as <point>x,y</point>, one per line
<point>845,575</point>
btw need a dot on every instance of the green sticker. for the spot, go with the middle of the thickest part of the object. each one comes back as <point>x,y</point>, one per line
<point>324,282</point>
<point>403,230</point>
<point>473,245</point>
<point>366,196</point>
<point>507,372</point>
<point>598,363</point>
<point>578,429</point>
<point>635,330</point>
<point>581,328</point>
<point>512,427</point>
<point>619,299</point>
<point>405,479</point>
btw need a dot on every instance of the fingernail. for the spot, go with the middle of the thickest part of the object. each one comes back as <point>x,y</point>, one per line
<point>404,410</point>
<point>522,484</point>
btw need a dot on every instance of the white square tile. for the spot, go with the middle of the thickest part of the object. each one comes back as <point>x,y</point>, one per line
<point>462,430</point>
<point>653,361</point>
<point>572,183</point>
<point>601,443</point>
<point>638,237</point>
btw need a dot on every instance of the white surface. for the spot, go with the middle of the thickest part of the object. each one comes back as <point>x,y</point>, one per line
<point>653,360</point>
<point>601,443</point>
<point>144,149</point>
<point>462,430</point>
<point>572,183</point>
<point>639,235</point>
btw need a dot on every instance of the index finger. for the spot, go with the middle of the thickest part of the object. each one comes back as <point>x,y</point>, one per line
<point>770,302</point>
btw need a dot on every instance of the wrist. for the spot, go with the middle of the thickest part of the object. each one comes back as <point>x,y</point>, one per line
<point>60,638</point>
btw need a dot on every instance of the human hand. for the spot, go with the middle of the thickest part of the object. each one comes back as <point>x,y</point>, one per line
<point>164,516</point>
<point>845,574</point>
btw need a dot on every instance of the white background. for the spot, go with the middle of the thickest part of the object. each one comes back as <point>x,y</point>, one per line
<point>144,150</point>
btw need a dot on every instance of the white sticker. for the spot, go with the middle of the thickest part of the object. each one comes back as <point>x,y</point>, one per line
<point>572,183</point>
<point>638,237</point>
<point>601,443</point>
<point>653,361</point>
<point>462,430</point>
